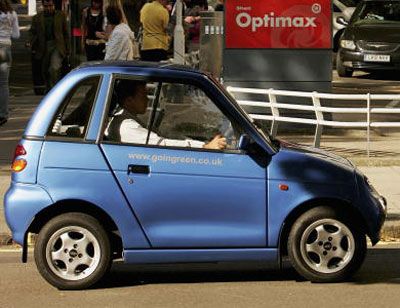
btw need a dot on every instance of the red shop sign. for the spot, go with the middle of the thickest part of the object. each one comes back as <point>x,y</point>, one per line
<point>278,24</point>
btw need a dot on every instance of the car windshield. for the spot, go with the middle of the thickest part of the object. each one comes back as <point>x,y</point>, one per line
<point>263,132</point>
<point>379,12</point>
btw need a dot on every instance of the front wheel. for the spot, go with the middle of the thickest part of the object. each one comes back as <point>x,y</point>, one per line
<point>72,251</point>
<point>324,247</point>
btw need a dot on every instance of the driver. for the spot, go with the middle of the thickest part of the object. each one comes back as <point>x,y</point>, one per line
<point>128,128</point>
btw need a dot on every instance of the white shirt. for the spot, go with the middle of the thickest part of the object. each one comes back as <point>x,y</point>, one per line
<point>120,44</point>
<point>9,27</point>
<point>131,131</point>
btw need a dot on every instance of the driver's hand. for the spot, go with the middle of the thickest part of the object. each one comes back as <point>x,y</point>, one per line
<point>217,143</point>
<point>57,127</point>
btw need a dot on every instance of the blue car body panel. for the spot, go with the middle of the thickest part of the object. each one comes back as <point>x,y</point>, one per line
<point>323,178</point>
<point>22,203</point>
<point>194,198</point>
<point>193,205</point>
<point>88,178</point>
<point>149,256</point>
<point>33,149</point>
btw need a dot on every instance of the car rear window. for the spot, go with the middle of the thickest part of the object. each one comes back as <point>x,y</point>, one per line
<point>72,119</point>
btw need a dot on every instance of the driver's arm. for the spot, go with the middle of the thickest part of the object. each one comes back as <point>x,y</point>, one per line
<point>217,143</point>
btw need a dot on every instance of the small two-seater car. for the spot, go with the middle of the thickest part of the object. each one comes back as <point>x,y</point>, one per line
<point>94,196</point>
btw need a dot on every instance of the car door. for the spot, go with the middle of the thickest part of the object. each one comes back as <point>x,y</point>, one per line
<point>186,196</point>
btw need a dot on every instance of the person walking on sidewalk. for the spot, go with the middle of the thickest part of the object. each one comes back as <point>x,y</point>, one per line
<point>93,21</point>
<point>8,29</point>
<point>50,41</point>
<point>120,44</point>
<point>155,18</point>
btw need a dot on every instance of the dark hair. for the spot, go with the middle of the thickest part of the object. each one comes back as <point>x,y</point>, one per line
<point>127,87</point>
<point>114,15</point>
<point>5,6</point>
<point>97,1</point>
<point>203,4</point>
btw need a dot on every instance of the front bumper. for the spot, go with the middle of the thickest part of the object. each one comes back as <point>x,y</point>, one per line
<point>373,207</point>
<point>354,60</point>
<point>375,235</point>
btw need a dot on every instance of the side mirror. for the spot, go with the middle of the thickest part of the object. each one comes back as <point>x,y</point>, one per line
<point>244,142</point>
<point>342,21</point>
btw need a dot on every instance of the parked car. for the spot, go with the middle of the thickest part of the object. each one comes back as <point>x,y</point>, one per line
<point>344,9</point>
<point>371,41</point>
<point>93,197</point>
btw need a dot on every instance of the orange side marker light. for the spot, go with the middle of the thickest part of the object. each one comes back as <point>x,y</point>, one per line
<point>283,187</point>
<point>18,165</point>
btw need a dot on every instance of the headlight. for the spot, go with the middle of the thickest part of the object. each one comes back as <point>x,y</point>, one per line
<point>374,192</point>
<point>347,44</point>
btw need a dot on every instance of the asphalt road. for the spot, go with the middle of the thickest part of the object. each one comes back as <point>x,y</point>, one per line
<point>211,285</point>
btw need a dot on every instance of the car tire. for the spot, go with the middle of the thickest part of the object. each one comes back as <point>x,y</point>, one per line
<point>324,247</point>
<point>336,40</point>
<point>72,251</point>
<point>342,70</point>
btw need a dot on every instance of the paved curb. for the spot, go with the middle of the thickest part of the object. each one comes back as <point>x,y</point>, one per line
<point>5,239</point>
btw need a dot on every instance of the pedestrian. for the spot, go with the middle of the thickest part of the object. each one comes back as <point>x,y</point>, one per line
<point>219,7</point>
<point>8,29</point>
<point>120,44</point>
<point>50,41</point>
<point>118,3</point>
<point>132,11</point>
<point>93,21</point>
<point>154,18</point>
<point>108,28</point>
<point>193,22</point>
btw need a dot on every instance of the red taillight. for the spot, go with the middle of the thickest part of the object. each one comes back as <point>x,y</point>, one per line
<point>19,164</point>
<point>19,151</point>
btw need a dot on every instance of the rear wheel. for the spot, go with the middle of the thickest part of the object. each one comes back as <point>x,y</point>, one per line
<point>324,247</point>
<point>73,251</point>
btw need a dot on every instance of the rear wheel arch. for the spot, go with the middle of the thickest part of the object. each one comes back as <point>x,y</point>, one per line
<point>80,206</point>
<point>338,204</point>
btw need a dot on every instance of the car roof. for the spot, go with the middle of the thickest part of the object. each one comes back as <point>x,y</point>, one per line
<point>138,64</point>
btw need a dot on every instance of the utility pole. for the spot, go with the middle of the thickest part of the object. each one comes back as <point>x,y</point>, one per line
<point>179,36</point>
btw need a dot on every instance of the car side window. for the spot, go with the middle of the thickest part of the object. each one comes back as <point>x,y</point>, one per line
<point>188,115</point>
<point>129,111</point>
<point>167,114</point>
<point>72,119</point>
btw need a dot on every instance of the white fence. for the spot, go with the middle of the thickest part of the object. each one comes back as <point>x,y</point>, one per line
<point>274,108</point>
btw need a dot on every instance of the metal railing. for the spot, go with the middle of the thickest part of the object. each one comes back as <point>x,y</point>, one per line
<point>274,107</point>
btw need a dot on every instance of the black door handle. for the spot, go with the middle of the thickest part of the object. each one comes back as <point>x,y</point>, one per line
<point>141,169</point>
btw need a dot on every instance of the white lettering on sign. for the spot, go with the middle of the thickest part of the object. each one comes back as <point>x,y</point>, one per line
<point>243,8</point>
<point>245,20</point>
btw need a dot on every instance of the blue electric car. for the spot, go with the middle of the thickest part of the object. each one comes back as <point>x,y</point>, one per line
<point>97,183</point>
